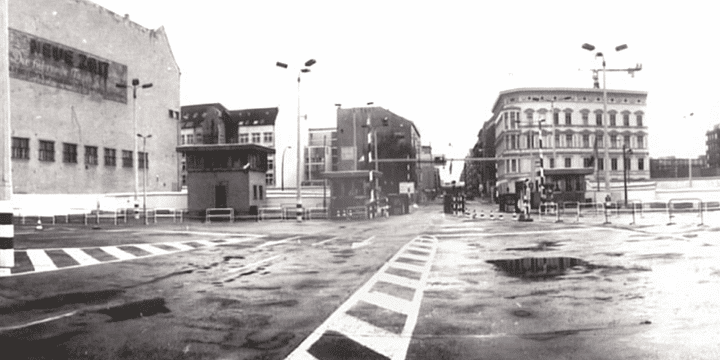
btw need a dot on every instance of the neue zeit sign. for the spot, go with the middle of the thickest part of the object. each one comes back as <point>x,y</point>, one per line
<point>45,62</point>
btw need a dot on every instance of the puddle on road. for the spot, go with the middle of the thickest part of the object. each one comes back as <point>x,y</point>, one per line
<point>136,309</point>
<point>539,267</point>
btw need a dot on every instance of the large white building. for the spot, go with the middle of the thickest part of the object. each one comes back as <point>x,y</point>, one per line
<point>571,121</point>
<point>73,128</point>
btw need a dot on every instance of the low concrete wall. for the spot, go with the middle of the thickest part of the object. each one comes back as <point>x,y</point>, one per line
<point>61,204</point>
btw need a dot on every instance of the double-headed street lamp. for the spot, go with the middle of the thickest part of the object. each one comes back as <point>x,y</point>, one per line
<point>606,137</point>
<point>145,167</point>
<point>299,211</point>
<point>626,166</point>
<point>135,84</point>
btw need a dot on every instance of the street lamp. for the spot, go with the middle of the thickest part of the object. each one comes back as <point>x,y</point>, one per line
<point>282,168</point>
<point>606,137</point>
<point>145,166</point>
<point>135,84</point>
<point>298,194</point>
<point>626,151</point>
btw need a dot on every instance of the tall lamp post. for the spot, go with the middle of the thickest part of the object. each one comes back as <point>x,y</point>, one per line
<point>626,166</point>
<point>135,84</point>
<point>299,211</point>
<point>282,168</point>
<point>145,166</point>
<point>606,137</point>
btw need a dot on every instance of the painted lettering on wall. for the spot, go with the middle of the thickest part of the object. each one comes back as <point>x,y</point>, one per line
<point>45,62</point>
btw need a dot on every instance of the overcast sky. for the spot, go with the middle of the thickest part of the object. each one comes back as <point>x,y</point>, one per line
<point>442,64</point>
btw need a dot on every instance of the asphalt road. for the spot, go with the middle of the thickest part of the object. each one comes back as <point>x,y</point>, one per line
<point>418,286</point>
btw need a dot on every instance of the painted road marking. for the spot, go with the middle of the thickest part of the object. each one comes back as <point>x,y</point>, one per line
<point>405,266</point>
<point>179,246</point>
<point>114,251</point>
<point>152,249</point>
<point>40,260</point>
<point>343,335</point>
<point>386,301</point>
<point>413,257</point>
<point>206,243</point>
<point>365,242</point>
<point>325,241</point>
<point>271,243</point>
<point>81,257</point>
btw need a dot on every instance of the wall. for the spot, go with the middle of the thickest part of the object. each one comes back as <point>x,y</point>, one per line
<point>95,113</point>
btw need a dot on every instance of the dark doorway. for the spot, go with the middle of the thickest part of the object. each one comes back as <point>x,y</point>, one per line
<point>221,195</point>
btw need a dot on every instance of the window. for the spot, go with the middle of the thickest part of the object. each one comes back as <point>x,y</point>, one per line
<point>513,164</point>
<point>613,164</point>
<point>613,140</point>
<point>612,120</point>
<point>557,141</point>
<point>20,148</point>
<point>587,162</point>
<point>552,163</point>
<point>568,140</point>
<point>626,140</point>
<point>256,138</point>
<point>627,164</point>
<point>601,164</point>
<point>198,138</point>
<point>626,119</point>
<point>641,164</point>
<point>270,164</point>
<point>261,192</point>
<point>143,160</point>
<point>568,162</point>
<point>243,138</point>
<point>585,119</point>
<point>640,142</point>
<point>127,158</point>
<point>269,179</point>
<point>267,137</point>
<point>586,141</point>
<point>598,119</point>
<point>109,157</point>
<point>556,118</point>
<point>91,155</point>
<point>255,192</point>
<point>182,139</point>
<point>529,117</point>
<point>639,119</point>
<point>568,118</point>
<point>69,153</point>
<point>599,139</point>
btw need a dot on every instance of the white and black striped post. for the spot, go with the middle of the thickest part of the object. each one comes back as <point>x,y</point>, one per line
<point>7,233</point>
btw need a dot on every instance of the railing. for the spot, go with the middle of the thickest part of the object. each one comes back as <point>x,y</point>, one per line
<point>167,213</point>
<point>219,213</point>
<point>683,205</point>
<point>271,213</point>
<point>106,214</point>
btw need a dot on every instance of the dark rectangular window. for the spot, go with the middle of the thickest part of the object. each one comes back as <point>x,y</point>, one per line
<point>601,164</point>
<point>587,162</point>
<point>626,140</point>
<point>641,164</point>
<point>626,119</point>
<point>46,151</point>
<point>568,118</point>
<point>127,158</point>
<point>568,162</point>
<point>552,163</point>
<point>69,153</point>
<point>109,157</point>
<point>585,119</point>
<point>143,160</point>
<point>260,191</point>
<point>255,138</point>
<point>586,141</point>
<point>613,140</point>
<point>255,192</point>
<point>639,120</point>
<point>568,140</point>
<point>613,164</point>
<point>612,120</point>
<point>91,155</point>
<point>556,118</point>
<point>20,148</point>
<point>640,142</point>
<point>598,119</point>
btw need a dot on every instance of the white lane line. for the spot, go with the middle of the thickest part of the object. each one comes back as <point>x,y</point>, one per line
<point>368,335</point>
<point>405,266</point>
<point>81,257</point>
<point>179,246</point>
<point>114,251</point>
<point>365,242</point>
<point>205,233</point>
<point>325,241</point>
<point>207,243</point>
<point>386,301</point>
<point>460,235</point>
<point>271,243</point>
<point>40,260</point>
<point>151,249</point>
<point>53,318</point>
<point>399,280</point>
<point>414,257</point>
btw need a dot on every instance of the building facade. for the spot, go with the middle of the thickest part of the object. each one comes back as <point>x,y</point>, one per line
<point>320,155</point>
<point>712,149</point>
<point>561,131</point>
<point>80,93</point>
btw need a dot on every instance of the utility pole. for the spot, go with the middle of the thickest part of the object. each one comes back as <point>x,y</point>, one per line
<point>7,232</point>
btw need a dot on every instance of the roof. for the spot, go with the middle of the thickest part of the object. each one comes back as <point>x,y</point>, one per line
<point>254,117</point>
<point>196,113</point>
<point>563,90</point>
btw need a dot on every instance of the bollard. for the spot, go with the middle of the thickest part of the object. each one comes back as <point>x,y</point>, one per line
<point>557,214</point>
<point>701,214</point>
<point>492,217</point>
<point>633,214</point>
<point>7,234</point>
<point>482,214</point>
<point>578,212</point>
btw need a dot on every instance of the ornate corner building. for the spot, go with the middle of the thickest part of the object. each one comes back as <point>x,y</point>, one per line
<point>561,130</point>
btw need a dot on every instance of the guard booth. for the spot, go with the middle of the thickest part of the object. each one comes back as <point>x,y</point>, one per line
<point>454,199</point>
<point>565,185</point>
<point>354,194</point>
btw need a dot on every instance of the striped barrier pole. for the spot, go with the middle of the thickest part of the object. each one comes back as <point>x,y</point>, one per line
<point>7,235</point>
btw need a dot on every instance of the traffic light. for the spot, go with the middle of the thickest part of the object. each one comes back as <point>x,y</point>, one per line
<point>439,160</point>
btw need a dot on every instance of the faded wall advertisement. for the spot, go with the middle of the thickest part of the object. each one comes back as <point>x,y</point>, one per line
<point>45,62</point>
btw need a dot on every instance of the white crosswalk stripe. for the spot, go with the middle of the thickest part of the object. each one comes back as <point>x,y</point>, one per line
<point>114,251</point>
<point>399,280</point>
<point>410,267</point>
<point>386,301</point>
<point>382,341</point>
<point>81,257</point>
<point>151,249</point>
<point>414,257</point>
<point>179,246</point>
<point>40,260</point>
